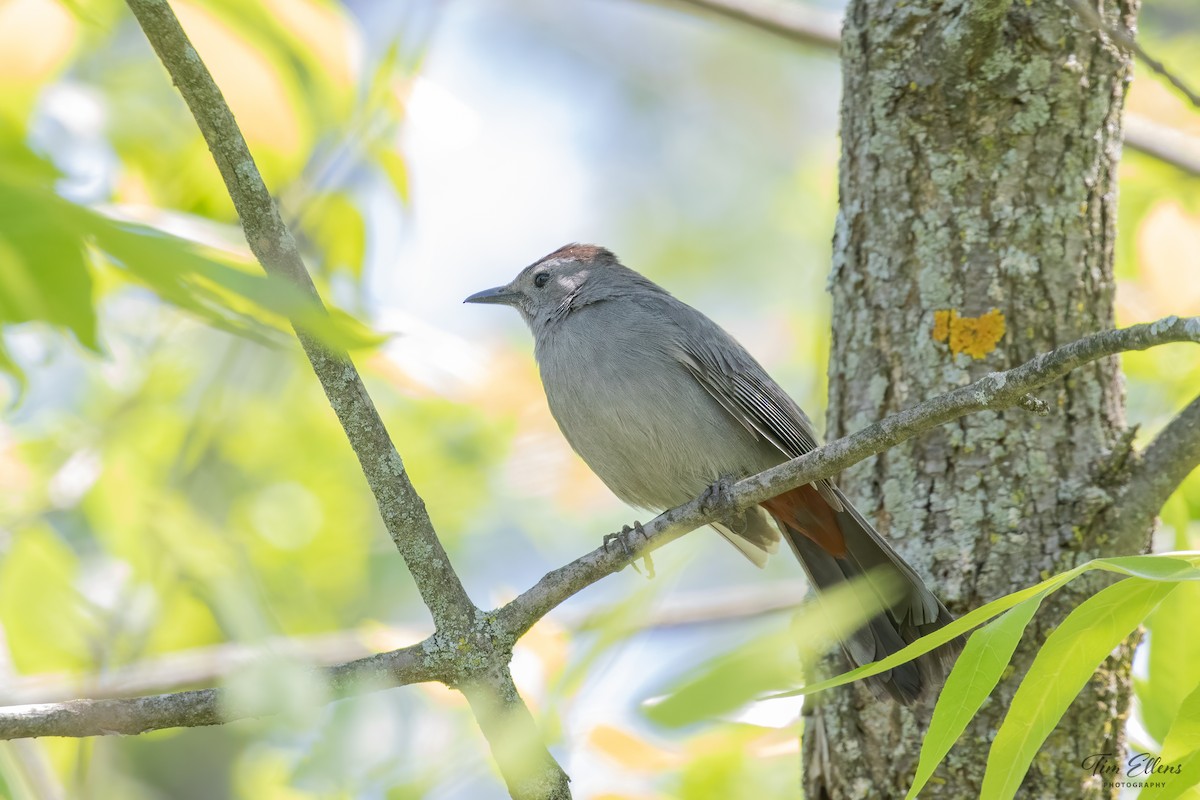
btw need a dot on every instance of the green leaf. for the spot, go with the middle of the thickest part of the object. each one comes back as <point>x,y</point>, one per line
<point>1172,568</point>
<point>1177,567</point>
<point>1173,668</point>
<point>336,226</point>
<point>221,292</point>
<point>975,674</point>
<point>1180,751</point>
<point>1059,671</point>
<point>966,622</point>
<point>728,682</point>
<point>1184,736</point>
<point>43,273</point>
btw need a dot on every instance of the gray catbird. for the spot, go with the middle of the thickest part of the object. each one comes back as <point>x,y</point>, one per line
<point>663,404</point>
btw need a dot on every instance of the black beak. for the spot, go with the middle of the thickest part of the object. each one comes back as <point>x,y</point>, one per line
<point>499,295</point>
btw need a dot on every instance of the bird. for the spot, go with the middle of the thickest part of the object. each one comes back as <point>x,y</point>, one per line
<point>663,405</point>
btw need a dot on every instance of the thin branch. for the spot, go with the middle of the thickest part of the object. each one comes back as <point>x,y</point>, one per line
<point>800,22</point>
<point>792,20</point>
<point>997,391</point>
<point>273,245</point>
<point>204,666</point>
<point>1162,142</point>
<point>1124,40</point>
<point>201,706</point>
<point>198,666</point>
<point>529,771</point>
<point>455,616</point>
<point>797,22</point>
<point>1163,465</point>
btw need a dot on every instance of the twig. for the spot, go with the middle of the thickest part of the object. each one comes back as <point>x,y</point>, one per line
<point>198,666</point>
<point>1124,40</point>
<point>1162,142</point>
<point>795,21</point>
<point>201,706</point>
<point>996,391</point>
<point>799,22</point>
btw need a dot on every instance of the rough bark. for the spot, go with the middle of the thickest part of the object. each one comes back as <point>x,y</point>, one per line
<point>980,145</point>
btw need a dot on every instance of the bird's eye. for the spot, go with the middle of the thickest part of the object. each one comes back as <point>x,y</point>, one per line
<point>541,279</point>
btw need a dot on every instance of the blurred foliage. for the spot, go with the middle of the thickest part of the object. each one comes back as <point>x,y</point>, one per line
<point>171,476</point>
<point>48,243</point>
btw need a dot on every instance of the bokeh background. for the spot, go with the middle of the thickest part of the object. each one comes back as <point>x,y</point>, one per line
<point>177,504</point>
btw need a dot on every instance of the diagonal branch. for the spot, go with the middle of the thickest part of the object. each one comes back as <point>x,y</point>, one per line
<point>1170,455</point>
<point>529,770</point>
<point>799,22</point>
<point>1124,40</point>
<point>791,20</point>
<point>997,391</point>
<point>1163,465</point>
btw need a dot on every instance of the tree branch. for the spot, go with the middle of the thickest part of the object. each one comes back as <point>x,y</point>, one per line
<point>206,665</point>
<point>1124,40</point>
<point>997,391</point>
<point>1164,462</point>
<point>528,773</point>
<point>1163,465</point>
<point>456,618</point>
<point>201,706</point>
<point>799,22</point>
<point>791,20</point>
<point>1162,142</point>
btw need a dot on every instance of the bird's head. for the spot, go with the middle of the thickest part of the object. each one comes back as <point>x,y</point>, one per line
<point>572,276</point>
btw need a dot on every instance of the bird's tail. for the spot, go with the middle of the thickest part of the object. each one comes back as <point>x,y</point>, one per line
<point>836,545</point>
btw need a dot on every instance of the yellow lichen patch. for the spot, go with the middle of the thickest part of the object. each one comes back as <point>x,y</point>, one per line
<point>941,325</point>
<point>975,336</point>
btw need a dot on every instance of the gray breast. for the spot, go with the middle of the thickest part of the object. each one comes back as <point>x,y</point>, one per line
<point>634,413</point>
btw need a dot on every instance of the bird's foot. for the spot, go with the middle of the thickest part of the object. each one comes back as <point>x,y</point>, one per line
<point>718,498</point>
<point>609,538</point>
<point>624,538</point>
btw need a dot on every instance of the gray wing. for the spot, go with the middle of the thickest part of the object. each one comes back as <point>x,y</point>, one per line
<point>739,383</point>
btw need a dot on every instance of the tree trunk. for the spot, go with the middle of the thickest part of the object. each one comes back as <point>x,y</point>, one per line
<point>978,205</point>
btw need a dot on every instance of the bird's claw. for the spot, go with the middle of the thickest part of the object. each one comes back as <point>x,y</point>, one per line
<point>623,538</point>
<point>718,498</point>
<point>620,537</point>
